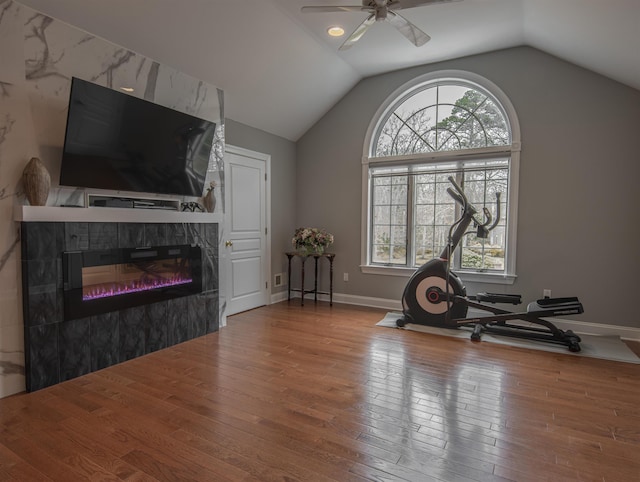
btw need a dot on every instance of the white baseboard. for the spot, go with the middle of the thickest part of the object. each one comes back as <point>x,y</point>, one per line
<point>586,328</point>
<point>580,327</point>
<point>394,305</point>
<point>278,297</point>
<point>346,299</point>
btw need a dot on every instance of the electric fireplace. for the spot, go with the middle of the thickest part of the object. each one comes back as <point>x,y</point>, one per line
<point>102,281</point>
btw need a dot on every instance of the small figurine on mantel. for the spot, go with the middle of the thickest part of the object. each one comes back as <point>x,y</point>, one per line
<point>209,199</point>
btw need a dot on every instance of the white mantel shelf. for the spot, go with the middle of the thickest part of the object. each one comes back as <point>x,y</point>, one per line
<point>110,215</point>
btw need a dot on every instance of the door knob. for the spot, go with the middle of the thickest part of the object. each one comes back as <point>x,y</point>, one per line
<point>228,243</point>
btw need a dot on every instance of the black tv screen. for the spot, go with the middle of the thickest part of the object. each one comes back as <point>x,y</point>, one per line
<point>118,142</point>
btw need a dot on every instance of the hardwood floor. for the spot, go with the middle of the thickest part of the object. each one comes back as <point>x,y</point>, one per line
<point>320,393</point>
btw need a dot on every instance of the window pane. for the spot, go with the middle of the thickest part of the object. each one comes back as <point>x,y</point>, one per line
<point>449,94</point>
<point>411,135</point>
<point>399,214</point>
<point>382,234</point>
<point>399,194</point>
<point>389,218</point>
<point>443,118</point>
<point>495,249</point>
<point>425,193</point>
<point>399,255</point>
<point>480,187</point>
<point>441,236</point>
<point>475,192</point>
<point>425,214</point>
<point>381,215</point>
<point>487,254</point>
<point>442,196</point>
<point>495,124</point>
<point>472,258</point>
<point>424,244</point>
<point>380,253</point>
<point>382,195</point>
<point>399,235</point>
<point>443,178</point>
<point>474,176</point>
<point>424,98</point>
<point>445,215</point>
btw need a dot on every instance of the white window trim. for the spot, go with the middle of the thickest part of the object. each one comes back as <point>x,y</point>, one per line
<point>509,276</point>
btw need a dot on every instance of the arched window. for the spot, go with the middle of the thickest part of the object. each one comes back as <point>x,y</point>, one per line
<point>442,124</point>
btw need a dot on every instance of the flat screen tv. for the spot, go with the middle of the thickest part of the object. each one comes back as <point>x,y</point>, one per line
<point>118,142</point>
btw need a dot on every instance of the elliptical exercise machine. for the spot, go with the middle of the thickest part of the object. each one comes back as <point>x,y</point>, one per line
<point>435,295</point>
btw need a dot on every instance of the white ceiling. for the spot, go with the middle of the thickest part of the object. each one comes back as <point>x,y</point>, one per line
<point>281,72</point>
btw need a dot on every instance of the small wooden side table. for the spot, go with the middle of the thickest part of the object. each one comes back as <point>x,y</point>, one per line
<point>303,260</point>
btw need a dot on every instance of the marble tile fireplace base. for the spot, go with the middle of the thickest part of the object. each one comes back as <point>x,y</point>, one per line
<point>57,350</point>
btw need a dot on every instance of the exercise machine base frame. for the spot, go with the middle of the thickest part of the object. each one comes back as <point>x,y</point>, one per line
<point>497,323</point>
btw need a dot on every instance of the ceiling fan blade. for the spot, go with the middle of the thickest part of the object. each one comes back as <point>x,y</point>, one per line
<point>400,4</point>
<point>358,32</point>
<point>333,8</point>
<point>409,30</point>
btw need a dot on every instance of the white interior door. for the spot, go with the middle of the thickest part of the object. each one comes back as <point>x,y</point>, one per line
<point>246,241</point>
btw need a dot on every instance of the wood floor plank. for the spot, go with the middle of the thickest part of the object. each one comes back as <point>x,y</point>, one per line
<point>320,393</point>
<point>279,449</point>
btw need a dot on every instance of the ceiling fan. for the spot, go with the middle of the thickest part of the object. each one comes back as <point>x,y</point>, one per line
<point>380,10</point>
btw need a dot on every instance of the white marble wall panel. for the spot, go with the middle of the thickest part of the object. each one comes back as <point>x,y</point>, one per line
<point>38,57</point>
<point>11,41</point>
<point>16,138</point>
<point>12,360</point>
<point>16,143</point>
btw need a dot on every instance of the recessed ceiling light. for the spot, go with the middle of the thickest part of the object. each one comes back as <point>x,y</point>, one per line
<point>335,31</point>
<point>127,89</point>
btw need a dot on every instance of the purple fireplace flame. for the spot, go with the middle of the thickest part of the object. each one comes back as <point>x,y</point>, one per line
<point>95,292</point>
<point>102,281</point>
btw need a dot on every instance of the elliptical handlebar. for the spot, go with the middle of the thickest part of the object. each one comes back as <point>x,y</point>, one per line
<point>459,199</point>
<point>459,195</point>
<point>487,216</point>
<point>469,210</point>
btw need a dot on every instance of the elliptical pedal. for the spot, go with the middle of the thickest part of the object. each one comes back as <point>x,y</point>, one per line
<point>555,306</point>
<point>498,298</point>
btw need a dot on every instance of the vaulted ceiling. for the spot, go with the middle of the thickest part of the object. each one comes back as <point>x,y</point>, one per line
<point>281,72</point>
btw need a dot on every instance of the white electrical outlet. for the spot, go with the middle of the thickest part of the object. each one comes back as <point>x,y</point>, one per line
<point>546,293</point>
<point>345,277</point>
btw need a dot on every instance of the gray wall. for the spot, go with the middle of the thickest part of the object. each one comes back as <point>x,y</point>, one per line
<point>578,203</point>
<point>283,186</point>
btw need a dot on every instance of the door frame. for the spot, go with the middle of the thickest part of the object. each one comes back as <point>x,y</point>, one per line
<point>225,261</point>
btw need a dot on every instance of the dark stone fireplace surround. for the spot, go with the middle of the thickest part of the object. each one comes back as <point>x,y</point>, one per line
<point>58,350</point>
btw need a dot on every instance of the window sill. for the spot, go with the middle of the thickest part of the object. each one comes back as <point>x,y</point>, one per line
<point>466,276</point>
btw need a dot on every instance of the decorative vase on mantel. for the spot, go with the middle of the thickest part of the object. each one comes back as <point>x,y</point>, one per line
<point>37,182</point>
<point>209,199</point>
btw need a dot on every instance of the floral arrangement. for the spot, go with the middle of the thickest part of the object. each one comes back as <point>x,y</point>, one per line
<point>311,240</point>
